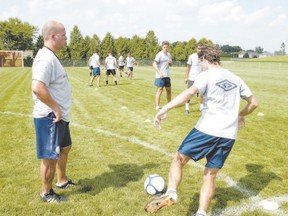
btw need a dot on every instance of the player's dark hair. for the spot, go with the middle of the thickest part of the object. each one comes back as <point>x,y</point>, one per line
<point>165,43</point>
<point>211,53</point>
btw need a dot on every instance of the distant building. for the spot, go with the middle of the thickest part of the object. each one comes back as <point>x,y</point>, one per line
<point>250,54</point>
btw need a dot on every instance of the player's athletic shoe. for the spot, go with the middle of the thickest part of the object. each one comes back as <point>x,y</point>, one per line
<point>159,202</point>
<point>52,197</point>
<point>67,184</point>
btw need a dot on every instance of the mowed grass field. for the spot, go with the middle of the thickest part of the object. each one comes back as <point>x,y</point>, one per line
<point>116,146</point>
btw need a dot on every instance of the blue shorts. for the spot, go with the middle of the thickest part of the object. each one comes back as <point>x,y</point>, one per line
<point>162,82</point>
<point>198,145</point>
<point>96,71</point>
<point>130,69</point>
<point>51,137</point>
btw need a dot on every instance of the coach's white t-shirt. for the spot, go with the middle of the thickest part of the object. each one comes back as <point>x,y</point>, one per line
<point>196,67</point>
<point>48,69</point>
<point>162,60</point>
<point>222,91</point>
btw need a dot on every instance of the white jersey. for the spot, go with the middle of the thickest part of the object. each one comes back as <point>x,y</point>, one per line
<point>121,61</point>
<point>48,69</point>
<point>110,62</point>
<point>195,68</point>
<point>130,61</point>
<point>94,60</point>
<point>162,60</point>
<point>222,91</point>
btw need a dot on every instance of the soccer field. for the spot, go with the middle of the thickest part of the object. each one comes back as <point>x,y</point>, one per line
<point>116,146</point>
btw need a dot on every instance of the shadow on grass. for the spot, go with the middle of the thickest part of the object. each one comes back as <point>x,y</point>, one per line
<point>120,176</point>
<point>250,185</point>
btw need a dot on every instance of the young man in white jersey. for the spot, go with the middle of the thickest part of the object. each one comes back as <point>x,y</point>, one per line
<point>52,102</point>
<point>130,61</point>
<point>111,65</point>
<point>161,65</point>
<point>215,132</point>
<point>94,63</point>
<point>121,64</point>
<point>192,70</point>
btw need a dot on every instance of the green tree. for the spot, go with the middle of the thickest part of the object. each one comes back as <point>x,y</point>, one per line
<point>152,46</point>
<point>38,45</point>
<point>179,52</point>
<point>17,35</point>
<point>77,44</point>
<point>86,47</point>
<point>122,46</point>
<point>108,45</point>
<point>190,47</point>
<point>259,49</point>
<point>95,43</point>
<point>64,53</point>
<point>137,47</point>
<point>283,48</point>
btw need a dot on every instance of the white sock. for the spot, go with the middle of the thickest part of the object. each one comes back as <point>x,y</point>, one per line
<point>172,193</point>
<point>201,212</point>
<point>186,106</point>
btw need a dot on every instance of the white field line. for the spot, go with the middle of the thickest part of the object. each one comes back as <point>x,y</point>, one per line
<point>249,205</point>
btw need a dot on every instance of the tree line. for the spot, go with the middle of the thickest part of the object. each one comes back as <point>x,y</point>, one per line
<point>18,35</point>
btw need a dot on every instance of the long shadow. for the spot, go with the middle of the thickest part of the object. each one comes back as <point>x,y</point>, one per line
<point>120,176</point>
<point>252,184</point>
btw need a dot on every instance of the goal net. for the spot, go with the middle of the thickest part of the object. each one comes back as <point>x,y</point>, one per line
<point>11,58</point>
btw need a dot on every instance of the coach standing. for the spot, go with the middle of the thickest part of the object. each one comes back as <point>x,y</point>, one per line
<point>52,102</point>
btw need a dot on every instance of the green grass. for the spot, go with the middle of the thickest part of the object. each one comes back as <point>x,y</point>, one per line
<point>112,146</point>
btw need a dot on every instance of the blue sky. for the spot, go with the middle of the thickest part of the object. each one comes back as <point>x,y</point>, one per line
<point>244,23</point>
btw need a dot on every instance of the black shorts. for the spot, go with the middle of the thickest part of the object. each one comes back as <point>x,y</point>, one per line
<point>111,71</point>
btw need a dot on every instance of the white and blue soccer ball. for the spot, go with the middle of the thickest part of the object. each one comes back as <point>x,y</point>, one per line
<point>154,184</point>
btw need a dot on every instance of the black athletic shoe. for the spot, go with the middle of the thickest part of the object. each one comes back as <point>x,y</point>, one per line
<point>52,197</point>
<point>69,183</point>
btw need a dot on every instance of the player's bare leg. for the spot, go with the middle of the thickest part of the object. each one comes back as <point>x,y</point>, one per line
<point>168,96</point>
<point>208,188</point>
<point>174,180</point>
<point>158,97</point>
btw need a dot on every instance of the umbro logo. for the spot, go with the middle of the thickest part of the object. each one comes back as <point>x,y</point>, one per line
<point>226,85</point>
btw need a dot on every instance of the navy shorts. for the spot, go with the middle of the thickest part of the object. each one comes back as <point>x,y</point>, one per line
<point>198,145</point>
<point>51,137</point>
<point>162,82</point>
<point>121,67</point>
<point>96,71</point>
<point>130,69</point>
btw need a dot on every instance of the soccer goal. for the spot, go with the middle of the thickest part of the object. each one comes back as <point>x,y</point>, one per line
<point>11,58</point>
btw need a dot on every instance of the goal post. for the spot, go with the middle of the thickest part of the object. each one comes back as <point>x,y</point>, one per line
<point>11,58</point>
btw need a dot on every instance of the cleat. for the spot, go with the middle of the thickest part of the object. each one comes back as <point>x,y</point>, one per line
<point>67,184</point>
<point>157,203</point>
<point>187,111</point>
<point>52,197</point>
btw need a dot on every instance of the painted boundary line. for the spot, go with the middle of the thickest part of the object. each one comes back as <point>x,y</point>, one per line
<point>248,205</point>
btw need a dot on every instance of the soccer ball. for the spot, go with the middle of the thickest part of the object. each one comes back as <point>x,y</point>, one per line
<point>154,184</point>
